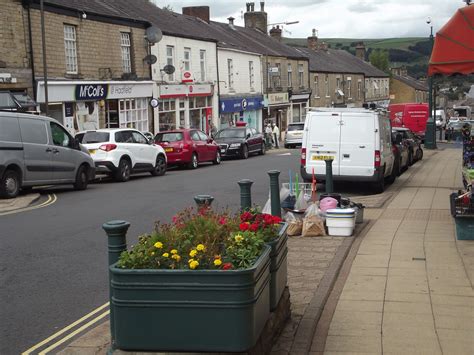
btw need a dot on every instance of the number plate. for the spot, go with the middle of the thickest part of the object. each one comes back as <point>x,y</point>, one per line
<point>92,151</point>
<point>222,150</point>
<point>322,157</point>
<point>168,150</point>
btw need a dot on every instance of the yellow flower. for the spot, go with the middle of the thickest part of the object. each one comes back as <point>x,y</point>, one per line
<point>217,262</point>
<point>200,247</point>
<point>176,257</point>
<point>152,253</point>
<point>190,261</point>
<point>158,245</point>
<point>166,255</point>
<point>193,253</point>
<point>193,264</point>
<point>238,238</point>
<point>174,251</point>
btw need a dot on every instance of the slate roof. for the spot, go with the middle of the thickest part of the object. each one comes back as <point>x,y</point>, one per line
<point>411,82</point>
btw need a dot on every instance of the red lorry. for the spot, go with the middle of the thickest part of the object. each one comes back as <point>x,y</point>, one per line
<point>412,116</point>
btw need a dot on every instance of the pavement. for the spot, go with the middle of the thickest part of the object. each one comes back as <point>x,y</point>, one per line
<point>405,288</point>
<point>8,205</point>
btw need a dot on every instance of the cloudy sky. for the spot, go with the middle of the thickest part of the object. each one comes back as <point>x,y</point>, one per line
<point>339,18</point>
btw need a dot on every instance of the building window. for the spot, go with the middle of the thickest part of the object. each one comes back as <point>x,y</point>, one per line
<point>70,48</point>
<point>290,76</point>
<point>386,87</point>
<point>277,76</point>
<point>230,73</point>
<point>126,58</point>
<point>349,88</point>
<point>170,60</point>
<point>251,76</point>
<point>316,86</point>
<point>187,59</point>
<point>202,58</point>
<point>359,90</point>
<point>338,83</point>
<point>326,83</point>
<point>301,75</point>
<point>133,113</point>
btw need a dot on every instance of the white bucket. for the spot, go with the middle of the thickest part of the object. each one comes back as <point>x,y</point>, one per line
<point>340,222</point>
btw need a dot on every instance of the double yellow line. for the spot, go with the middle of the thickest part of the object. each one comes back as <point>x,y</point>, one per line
<point>52,198</point>
<point>72,334</point>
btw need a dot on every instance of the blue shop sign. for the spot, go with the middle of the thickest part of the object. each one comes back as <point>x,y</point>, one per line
<point>238,104</point>
<point>91,92</point>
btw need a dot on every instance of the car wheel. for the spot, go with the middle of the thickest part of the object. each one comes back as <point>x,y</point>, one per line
<point>193,164</point>
<point>419,154</point>
<point>217,159</point>
<point>82,178</point>
<point>124,170</point>
<point>10,184</point>
<point>262,150</point>
<point>244,154</point>
<point>160,166</point>
<point>410,159</point>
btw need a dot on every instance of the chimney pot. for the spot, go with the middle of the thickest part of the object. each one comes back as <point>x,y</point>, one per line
<point>231,20</point>
<point>262,6</point>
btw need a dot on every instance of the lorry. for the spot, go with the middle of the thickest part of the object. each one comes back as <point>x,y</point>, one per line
<point>410,115</point>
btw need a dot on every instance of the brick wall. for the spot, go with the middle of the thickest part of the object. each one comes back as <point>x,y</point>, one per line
<point>401,93</point>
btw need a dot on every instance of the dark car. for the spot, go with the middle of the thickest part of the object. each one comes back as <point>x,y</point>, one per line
<point>240,142</point>
<point>415,151</point>
<point>188,147</point>
<point>401,151</point>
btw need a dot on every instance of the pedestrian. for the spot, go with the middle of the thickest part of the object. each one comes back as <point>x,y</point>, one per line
<point>268,135</point>
<point>212,130</point>
<point>276,135</point>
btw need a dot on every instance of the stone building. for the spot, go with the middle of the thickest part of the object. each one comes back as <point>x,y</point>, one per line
<point>405,89</point>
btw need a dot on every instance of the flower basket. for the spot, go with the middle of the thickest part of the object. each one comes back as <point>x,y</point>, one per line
<point>278,266</point>
<point>190,310</point>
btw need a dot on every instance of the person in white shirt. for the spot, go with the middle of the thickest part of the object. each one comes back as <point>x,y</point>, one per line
<point>268,134</point>
<point>276,135</point>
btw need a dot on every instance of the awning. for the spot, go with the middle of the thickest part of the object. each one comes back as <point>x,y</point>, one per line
<point>453,50</point>
<point>16,101</point>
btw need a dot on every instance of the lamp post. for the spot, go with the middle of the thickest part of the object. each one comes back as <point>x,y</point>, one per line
<point>430,135</point>
<point>45,66</point>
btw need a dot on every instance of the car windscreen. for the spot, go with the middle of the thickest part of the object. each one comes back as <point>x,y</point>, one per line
<point>169,137</point>
<point>295,127</point>
<point>95,137</point>
<point>231,133</point>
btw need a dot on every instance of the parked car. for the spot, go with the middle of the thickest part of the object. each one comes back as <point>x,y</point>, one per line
<point>240,142</point>
<point>401,151</point>
<point>37,150</point>
<point>294,134</point>
<point>358,141</point>
<point>415,151</point>
<point>121,152</point>
<point>188,147</point>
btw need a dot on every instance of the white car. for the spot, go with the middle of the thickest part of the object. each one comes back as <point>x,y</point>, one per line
<point>122,152</point>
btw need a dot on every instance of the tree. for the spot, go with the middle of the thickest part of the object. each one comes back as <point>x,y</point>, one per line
<point>168,8</point>
<point>379,59</point>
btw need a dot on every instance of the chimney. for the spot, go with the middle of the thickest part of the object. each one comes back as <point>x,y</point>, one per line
<point>231,21</point>
<point>323,46</point>
<point>275,33</point>
<point>256,19</point>
<point>360,51</point>
<point>313,41</point>
<point>201,12</point>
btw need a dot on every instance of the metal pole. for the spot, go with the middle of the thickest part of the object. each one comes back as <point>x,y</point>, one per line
<point>275,192</point>
<point>329,181</point>
<point>430,135</point>
<point>45,65</point>
<point>245,194</point>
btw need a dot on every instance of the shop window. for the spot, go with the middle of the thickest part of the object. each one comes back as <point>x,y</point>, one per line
<point>133,113</point>
<point>126,57</point>
<point>296,113</point>
<point>170,60</point>
<point>167,115</point>
<point>70,49</point>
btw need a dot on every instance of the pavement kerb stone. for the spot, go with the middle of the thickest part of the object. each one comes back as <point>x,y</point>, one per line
<point>8,205</point>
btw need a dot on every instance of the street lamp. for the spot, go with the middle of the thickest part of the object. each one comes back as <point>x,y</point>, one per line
<point>430,135</point>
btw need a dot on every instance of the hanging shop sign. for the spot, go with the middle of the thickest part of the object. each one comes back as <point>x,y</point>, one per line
<point>238,104</point>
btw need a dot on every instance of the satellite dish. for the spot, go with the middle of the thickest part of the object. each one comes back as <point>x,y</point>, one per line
<point>150,59</point>
<point>153,34</point>
<point>168,69</point>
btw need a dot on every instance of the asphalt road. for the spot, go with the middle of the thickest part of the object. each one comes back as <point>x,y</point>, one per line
<point>54,260</point>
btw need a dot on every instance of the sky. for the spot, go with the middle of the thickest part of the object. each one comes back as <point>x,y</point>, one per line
<point>361,19</point>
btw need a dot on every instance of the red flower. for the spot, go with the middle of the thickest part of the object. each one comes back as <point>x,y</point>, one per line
<point>276,220</point>
<point>246,216</point>
<point>175,219</point>
<point>254,227</point>
<point>227,266</point>
<point>222,220</point>
<point>244,226</point>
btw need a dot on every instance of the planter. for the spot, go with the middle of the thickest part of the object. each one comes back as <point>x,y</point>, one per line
<point>190,310</point>
<point>464,227</point>
<point>278,266</point>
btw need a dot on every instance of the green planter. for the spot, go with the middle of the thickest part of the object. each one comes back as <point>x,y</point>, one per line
<point>464,227</point>
<point>190,310</point>
<point>278,266</point>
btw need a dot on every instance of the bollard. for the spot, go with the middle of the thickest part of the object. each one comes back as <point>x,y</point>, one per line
<point>245,194</point>
<point>203,201</point>
<point>275,192</point>
<point>329,182</point>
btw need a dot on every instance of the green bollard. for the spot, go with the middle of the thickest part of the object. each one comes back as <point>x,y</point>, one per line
<point>329,181</point>
<point>203,201</point>
<point>117,243</point>
<point>275,192</point>
<point>245,194</point>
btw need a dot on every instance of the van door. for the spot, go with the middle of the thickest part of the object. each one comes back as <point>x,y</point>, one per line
<point>357,144</point>
<point>323,142</point>
<point>64,160</point>
<point>38,154</point>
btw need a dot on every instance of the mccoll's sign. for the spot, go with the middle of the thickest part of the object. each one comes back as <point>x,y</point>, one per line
<point>86,92</point>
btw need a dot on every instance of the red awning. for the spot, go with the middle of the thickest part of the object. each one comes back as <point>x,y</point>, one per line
<point>453,50</point>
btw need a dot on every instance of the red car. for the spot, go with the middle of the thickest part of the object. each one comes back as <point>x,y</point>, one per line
<point>188,147</point>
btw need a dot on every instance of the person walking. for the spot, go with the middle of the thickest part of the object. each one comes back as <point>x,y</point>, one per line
<point>268,135</point>
<point>276,135</point>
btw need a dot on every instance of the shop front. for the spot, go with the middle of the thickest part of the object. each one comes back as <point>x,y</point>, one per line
<point>277,111</point>
<point>90,105</point>
<point>241,109</point>
<point>184,106</point>
<point>299,105</point>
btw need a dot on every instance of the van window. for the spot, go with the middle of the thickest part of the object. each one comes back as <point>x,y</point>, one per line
<point>33,131</point>
<point>9,129</point>
<point>59,135</point>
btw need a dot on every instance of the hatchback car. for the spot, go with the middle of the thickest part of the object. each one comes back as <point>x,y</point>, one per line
<point>401,151</point>
<point>415,151</point>
<point>294,134</point>
<point>240,142</point>
<point>122,152</point>
<point>188,147</point>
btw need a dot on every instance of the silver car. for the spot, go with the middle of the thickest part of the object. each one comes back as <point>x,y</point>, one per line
<point>37,150</point>
<point>294,134</point>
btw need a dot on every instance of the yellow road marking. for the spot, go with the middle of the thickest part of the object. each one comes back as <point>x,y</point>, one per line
<point>52,198</point>
<point>55,335</point>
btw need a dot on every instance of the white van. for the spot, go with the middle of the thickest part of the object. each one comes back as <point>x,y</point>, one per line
<point>357,140</point>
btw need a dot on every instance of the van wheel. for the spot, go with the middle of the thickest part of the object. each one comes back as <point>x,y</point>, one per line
<point>379,186</point>
<point>160,166</point>
<point>10,184</point>
<point>81,178</point>
<point>124,170</point>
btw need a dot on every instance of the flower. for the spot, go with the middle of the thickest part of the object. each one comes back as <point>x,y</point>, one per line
<point>227,266</point>
<point>166,255</point>
<point>222,221</point>
<point>174,251</point>
<point>152,253</point>
<point>217,257</point>
<point>244,226</point>
<point>176,257</point>
<point>254,227</point>
<point>238,238</point>
<point>158,245</point>
<point>193,264</point>
<point>200,247</point>
<point>193,253</point>
<point>246,216</point>
<point>217,262</point>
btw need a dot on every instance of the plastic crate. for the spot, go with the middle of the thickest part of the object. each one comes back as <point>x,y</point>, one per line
<point>459,207</point>
<point>464,227</point>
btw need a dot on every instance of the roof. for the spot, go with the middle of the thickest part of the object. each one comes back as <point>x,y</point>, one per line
<point>411,82</point>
